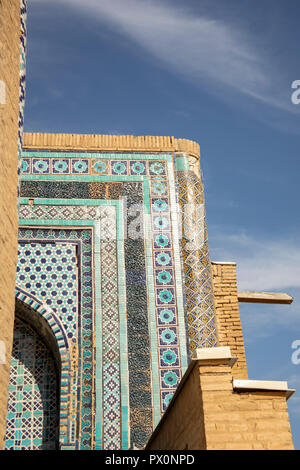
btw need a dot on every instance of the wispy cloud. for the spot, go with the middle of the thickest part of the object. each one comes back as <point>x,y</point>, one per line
<point>265,321</point>
<point>208,51</point>
<point>262,264</point>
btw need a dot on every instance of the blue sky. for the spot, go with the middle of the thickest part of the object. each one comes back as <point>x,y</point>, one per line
<point>216,72</point>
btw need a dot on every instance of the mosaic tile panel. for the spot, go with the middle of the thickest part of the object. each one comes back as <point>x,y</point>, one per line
<point>111,347</point>
<point>152,290</point>
<point>33,402</point>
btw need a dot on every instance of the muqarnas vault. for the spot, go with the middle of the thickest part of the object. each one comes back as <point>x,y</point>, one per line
<point>113,289</point>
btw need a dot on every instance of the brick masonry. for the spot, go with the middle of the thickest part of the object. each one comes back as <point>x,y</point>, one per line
<point>208,414</point>
<point>227,315</point>
<point>9,109</point>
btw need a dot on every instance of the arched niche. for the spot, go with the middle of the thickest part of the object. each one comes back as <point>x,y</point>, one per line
<point>44,335</point>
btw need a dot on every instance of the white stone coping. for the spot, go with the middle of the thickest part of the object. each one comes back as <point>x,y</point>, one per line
<point>265,297</point>
<point>268,385</point>
<point>224,262</point>
<point>208,354</point>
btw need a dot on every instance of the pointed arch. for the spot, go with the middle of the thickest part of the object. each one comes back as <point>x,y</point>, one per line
<point>39,314</point>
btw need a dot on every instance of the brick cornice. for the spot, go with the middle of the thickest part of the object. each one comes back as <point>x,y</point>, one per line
<point>99,142</point>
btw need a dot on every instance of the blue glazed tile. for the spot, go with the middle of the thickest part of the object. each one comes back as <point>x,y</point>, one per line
<point>119,168</point>
<point>41,165</point>
<point>60,166</point>
<point>80,166</point>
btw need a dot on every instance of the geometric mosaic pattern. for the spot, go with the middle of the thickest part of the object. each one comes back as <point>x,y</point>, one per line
<point>111,347</point>
<point>49,271</point>
<point>46,212</point>
<point>32,416</point>
<point>198,281</point>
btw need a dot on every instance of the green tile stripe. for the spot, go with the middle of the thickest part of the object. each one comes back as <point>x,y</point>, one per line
<point>182,164</point>
<point>82,178</point>
<point>151,305</point>
<point>125,423</point>
<point>101,156</point>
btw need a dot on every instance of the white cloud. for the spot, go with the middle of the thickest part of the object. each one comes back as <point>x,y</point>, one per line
<point>208,51</point>
<point>261,264</point>
<point>264,321</point>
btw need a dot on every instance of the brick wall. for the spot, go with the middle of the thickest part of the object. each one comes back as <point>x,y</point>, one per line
<point>9,75</point>
<point>242,420</point>
<point>207,414</point>
<point>228,316</point>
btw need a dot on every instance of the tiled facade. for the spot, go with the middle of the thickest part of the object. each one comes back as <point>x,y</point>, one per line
<point>100,251</point>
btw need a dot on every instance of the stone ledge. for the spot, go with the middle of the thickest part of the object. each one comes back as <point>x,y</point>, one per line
<point>231,263</point>
<point>263,385</point>
<point>216,354</point>
<point>265,297</point>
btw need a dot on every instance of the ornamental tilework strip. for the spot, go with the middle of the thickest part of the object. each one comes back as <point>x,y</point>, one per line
<point>51,212</point>
<point>165,291</point>
<point>111,347</point>
<point>35,163</point>
<point>197,269</point>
